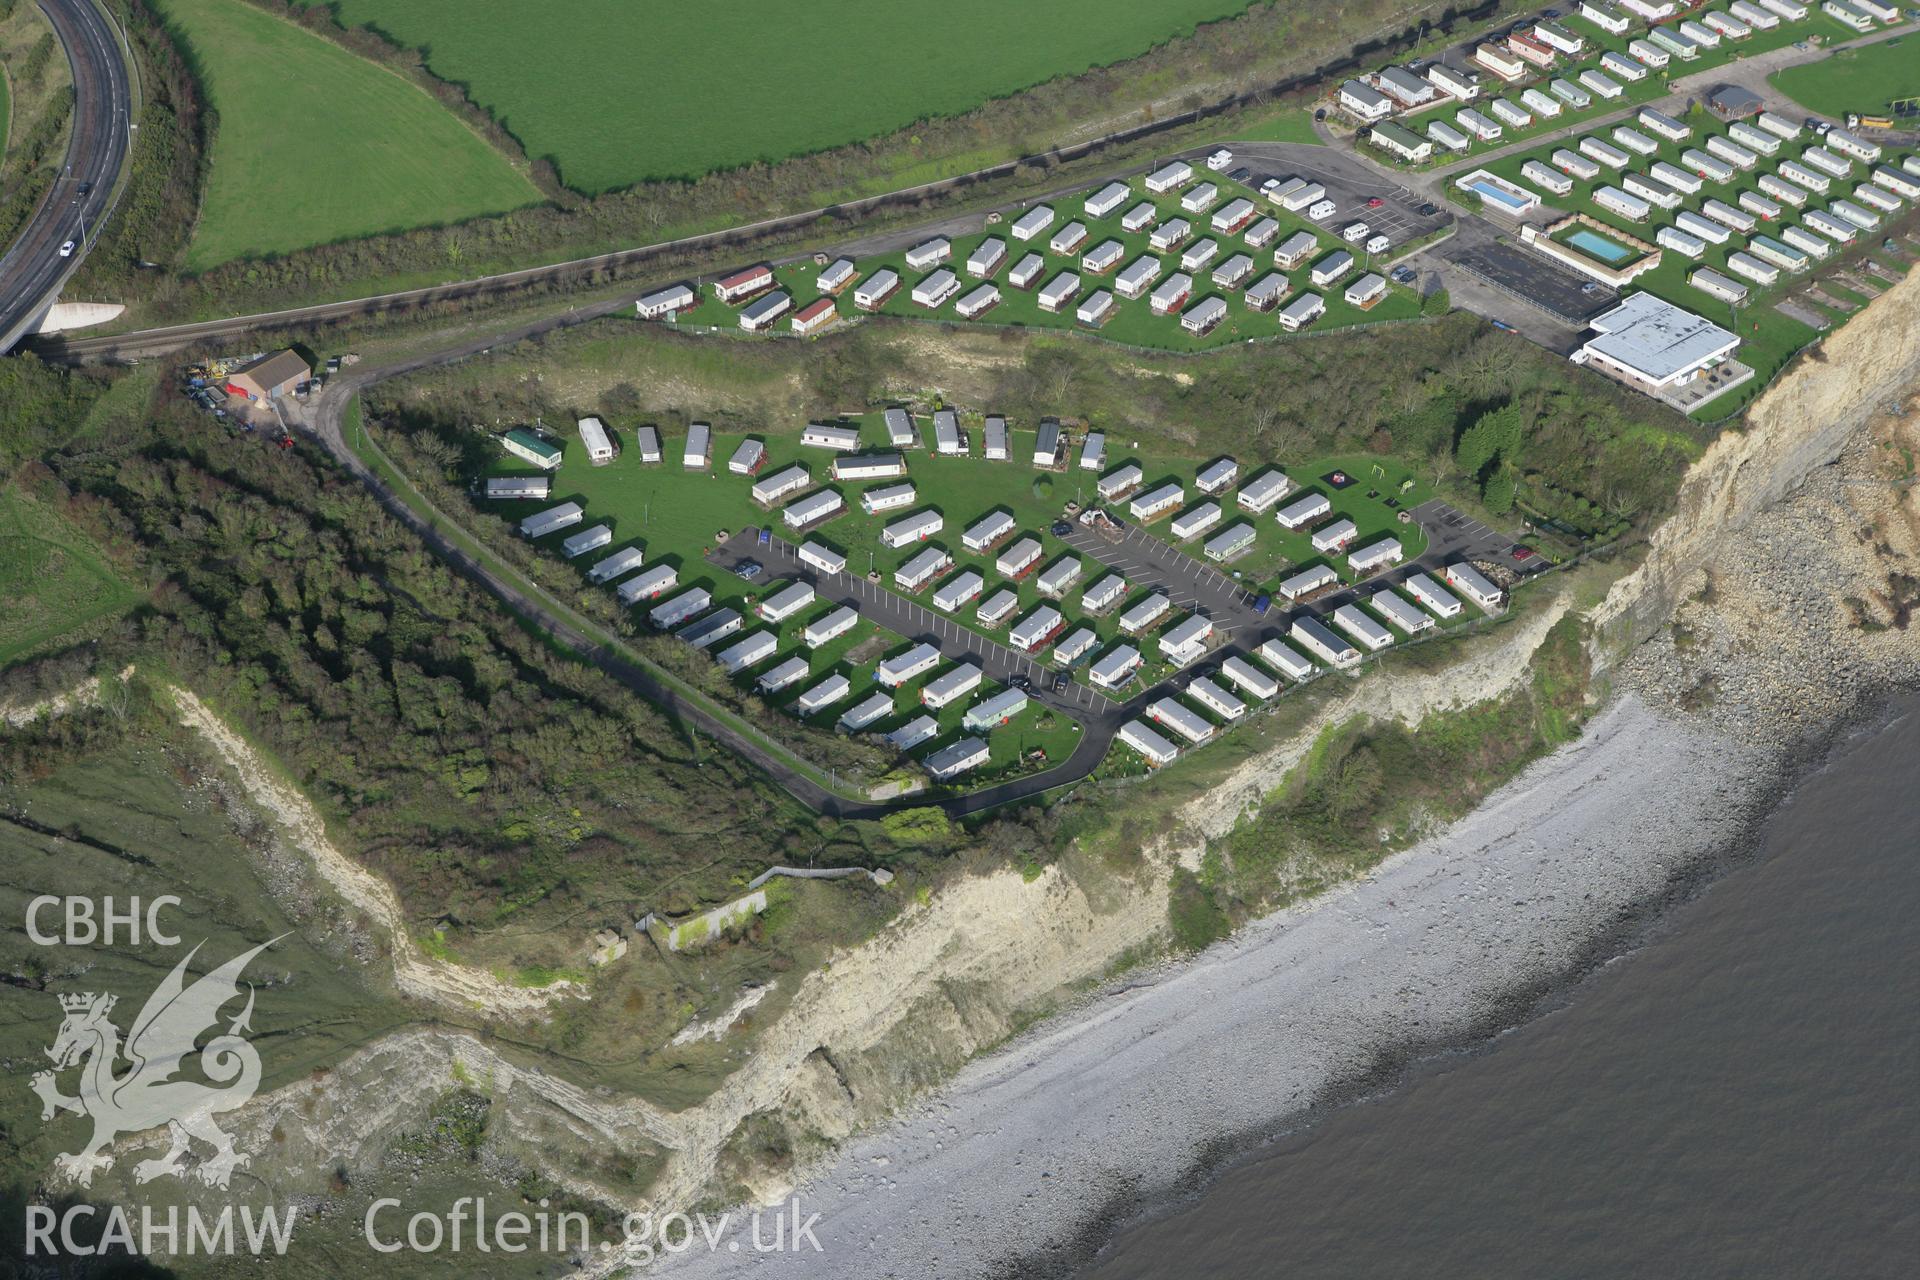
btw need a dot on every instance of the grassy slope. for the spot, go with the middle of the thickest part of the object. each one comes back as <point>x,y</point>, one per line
<point>52,577</point>
<point>1132,321</point>
<point>1862,80</point>
<point>618,93</point>
<point>316,145</point>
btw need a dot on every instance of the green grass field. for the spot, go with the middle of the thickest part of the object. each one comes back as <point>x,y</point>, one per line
<point>53,579</point>
<point>1132,321</point>
<point>1768,339</point>
<point>317,145</point>
<point>1862,80</point>
<point>617,93</point>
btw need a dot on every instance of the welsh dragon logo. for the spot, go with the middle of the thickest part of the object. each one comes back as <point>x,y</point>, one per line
<point>146,1095</point>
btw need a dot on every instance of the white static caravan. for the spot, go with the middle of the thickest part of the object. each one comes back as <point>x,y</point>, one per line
<point>586,540</point>
<point>1481,127</point>
<point>1107,200</point>
<point>1153,748</point>
<point>1445,135</point>
<point>1663,124</point>
<point>1093,451</point>
<point>826,436</point>
<point>748,652</point>
<point>1262,233</point>
<point>1259,494</point>
<point>1119,482</point>
<point>812,509</point>
<point>1628,206</point>
<point>622,561</point>
<point>1334,535</point>
<point>1865,219</point>
<point>1657,193</point>
<point>1704,36</point>
<point>1300,585</point>
<point>869,466</point>
<point>1303,511</point>
<point>936,289</point>
<point>687,604</point>
<point>1031,633</point>
<point>1233,273</point>
<point>1674,43</point>
<point>552,520</point>
<point>1510,114</point>
<point>1183,643</point>
<point>1331,267</point>
<point>1103,257</point>
<point>1778,125</point>
<point>593,434</point>
<point>698,453</point>
<point>987,257</point>
<point>1075,647</point>
<point>1732,152</point>
<point>902,667</point>
<point>1115,667</point>
<point>1434,596</point>
<point>1376,555</point>
<point>1285,659</point>
<point>950,686</point>
<point>1203,315</point>
<point>1728,216</point>
<point>1168,235</point>
<point>763,311</point>
<point>1032,222</point>
<point>1570,93</point>
<point>1172,294</point>
<point>917,527</point>
<point>1805,241</point>
<point>1199,254</point>
<point>1754,138</point>
<point>511,488</point>
<point>1831,163</point>
<point>921,569</point>
<point>987,530</point>
<point>648,439</point>
<point>1313,636</point>
<point>959,590</point>
<point>977,302</point>
<point>836,276</point>
<point>1229,218</point>
<point>1216,699</point>
<point>1472,584</point>
<point>1229,542</point>
<point>1621,65</point>
<point>713,628</point>
<point>1301,312</point>
<point>1701,228</point>
<point>1546,177</point>
<point>1798,173</point>
<point>1305,197</point>
<point>1144,614</point>
<point>1017,560</point>
<point>1847,14</point>
<point>1543,105</point>
<point>1058,578</point>
<point>947,440</point>
<point>1607,154</point>
<point>1677,178</point>
<point>1248,678</point>
<point>1104,594</point>
<point>1648,54</point>
<point>1069,238</point>
<point>1295,249</point>
<point>786,602</point>
<point>747,457</point>
<point>1791,10</point>
<point>874,707</point>
<point>888,497</point>
<point>1904,184</point>
<point>898,424</point>
<point>1157,503</point>
<point>872,293</point>
<point>1759,206</point>
<point>1460,85</point>
<point>1572,162</point>
<point>995,447</point>
<point>1047,446</point>
<point>826,630</point>
<point>1059,291</point>
<point>995,711</point>
<point>1217,476</point>
<point>1138,276</point>
<point>1635,141</point>
<point>1877,197</point>
<point>1715,285</point>
<point>823,695</point>
<point>1187,723</point>
<point>1357,624</point>
<point>656,581</point>
<point>995,608</point>
<point>768,490</point>
<point>1602,85</point>
<point>928,253</point>
<point>1200,199</point>
<point>665,302</point>
<point>1680,242</point>
<point>914,732</point>
<point>1196,520</point>
<point>1169,176</point>
<point>782,677</point>
<point>1401,614</point>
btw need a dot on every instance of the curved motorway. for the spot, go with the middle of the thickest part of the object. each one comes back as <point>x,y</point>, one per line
<point>32,272</point>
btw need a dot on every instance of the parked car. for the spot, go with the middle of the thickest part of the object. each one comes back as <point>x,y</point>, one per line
<point>1374,202</point>
<point>748,570</point>
<point>1241,174</point>
<point>1061,528</point>
<point>1061,681</point>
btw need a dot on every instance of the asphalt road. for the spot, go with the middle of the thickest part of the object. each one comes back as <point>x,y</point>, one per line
<point>32,272</point>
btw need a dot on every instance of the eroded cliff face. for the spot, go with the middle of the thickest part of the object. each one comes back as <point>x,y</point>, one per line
<point>1799,426</point>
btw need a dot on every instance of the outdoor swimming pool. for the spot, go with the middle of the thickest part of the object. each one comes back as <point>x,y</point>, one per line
<point>1505,199</point>
<point>1599,246</point>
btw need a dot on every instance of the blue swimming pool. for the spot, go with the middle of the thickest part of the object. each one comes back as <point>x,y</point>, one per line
<point>1506,200</point>
<point>1599,246</point>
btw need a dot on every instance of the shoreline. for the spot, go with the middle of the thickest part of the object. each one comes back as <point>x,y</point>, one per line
<point>1157,1086</point>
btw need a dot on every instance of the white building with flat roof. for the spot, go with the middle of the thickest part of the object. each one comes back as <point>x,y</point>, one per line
<point>784,676</point>
<point>818,555</point>
<point>625,560</point>
<point>950,686</point>
<point>987,530</point>
<point>1650,343</point>
<point>552,520</point>
<point>1076,646</point>
<point>748,652</point>
<point>888,497</point>
<point>917,527</point>
<point>902,667</point>
<point>1158,502</point>
<point>1104,594</point>
<point>1375,555</point>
